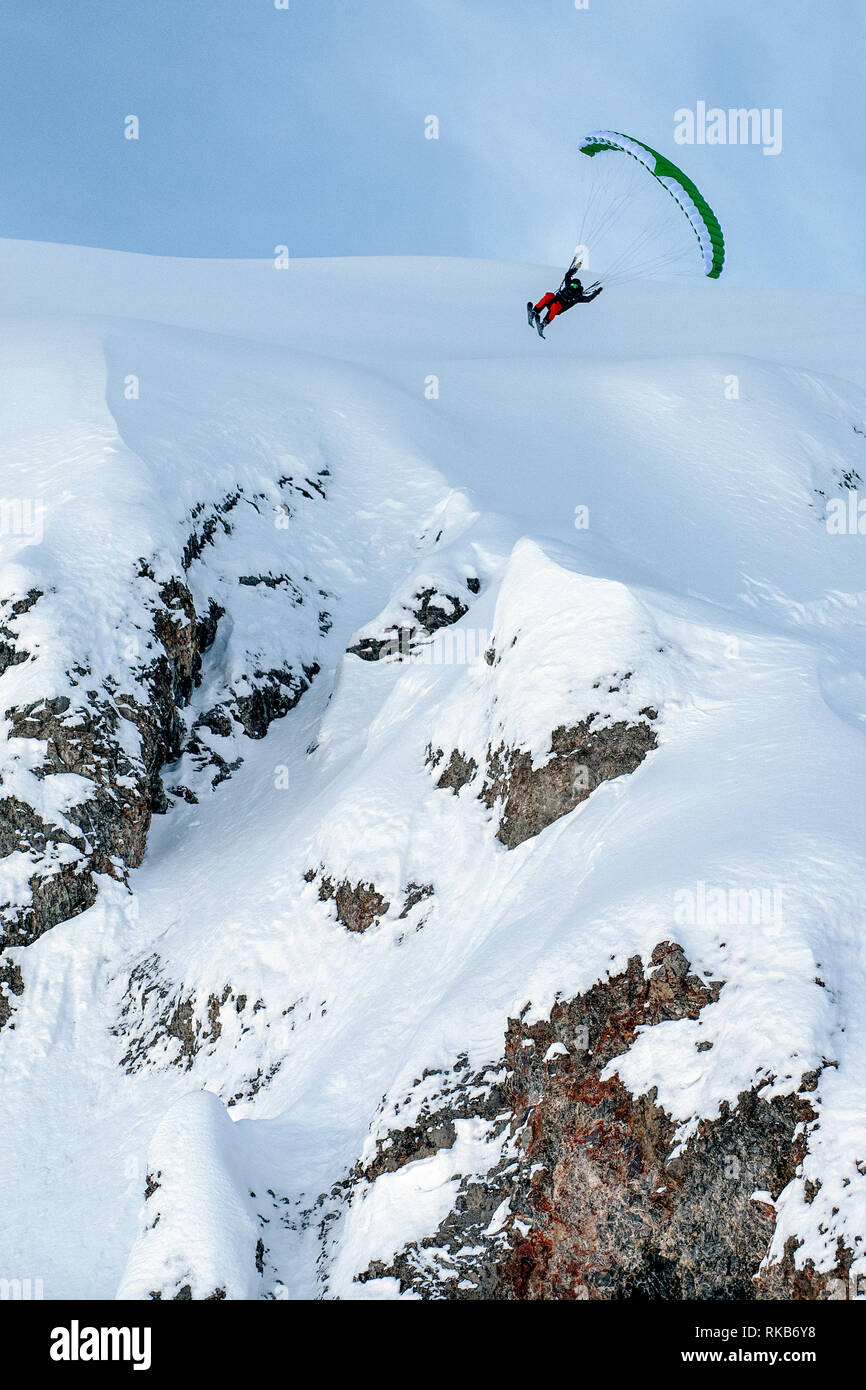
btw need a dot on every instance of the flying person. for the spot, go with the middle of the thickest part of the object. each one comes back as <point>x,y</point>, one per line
<point>570,292</point>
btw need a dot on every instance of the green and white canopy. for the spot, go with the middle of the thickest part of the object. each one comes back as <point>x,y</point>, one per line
<point>684,192</point>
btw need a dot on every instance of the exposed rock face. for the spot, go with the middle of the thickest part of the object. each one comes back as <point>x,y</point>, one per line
<point>275,693</point>
<point>430,609</point>
<point>587,1198</point>
<point>360,906</point>
<point>396,642</point>
<point>531,798</point>
<point>11,985</point>
<point>434,610</point>
<point>308,487</point>
<point>459,771</point>
<point>61,888</point>
<point>582,758</point>
<point>11,651</point>
<point>86,734</point>
<point>416,893</point>
<point>120,741</point>
<point>184,1295</point>
<point>162,1023</point>
<point>156,1011</point>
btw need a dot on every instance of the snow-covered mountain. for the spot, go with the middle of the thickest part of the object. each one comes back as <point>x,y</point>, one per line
<point>432,834</point>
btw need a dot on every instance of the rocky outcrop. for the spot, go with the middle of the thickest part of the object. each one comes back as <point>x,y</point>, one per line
<point>415,893</point>
<point>120,740</point>
<point>431,610</point>
<point>580,758</point>
<point>458,772</point>
<point>162,1023</point>
<point>11,651</point>
<point>87,733</point>
<point>11,985</point>
<point>156,1012</point>
<point>309,487</point>
<point>360,906</point>
<point>590,1195</point>
<point>275,693</point>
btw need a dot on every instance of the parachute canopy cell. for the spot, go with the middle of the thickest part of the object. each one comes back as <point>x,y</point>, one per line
<point>686,194</point>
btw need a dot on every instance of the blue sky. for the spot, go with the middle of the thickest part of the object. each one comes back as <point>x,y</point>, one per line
<point>306,127</point>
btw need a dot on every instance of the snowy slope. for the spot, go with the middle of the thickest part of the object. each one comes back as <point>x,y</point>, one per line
<point>623,529</point>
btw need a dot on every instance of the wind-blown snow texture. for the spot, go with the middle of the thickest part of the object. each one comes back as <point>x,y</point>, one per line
<point>331,913</point>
